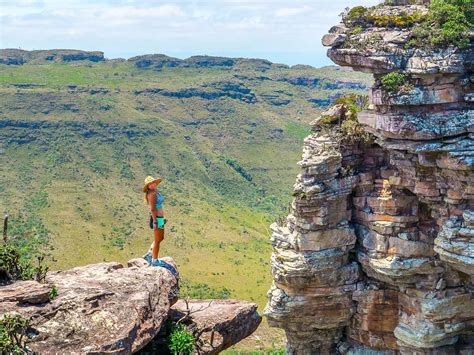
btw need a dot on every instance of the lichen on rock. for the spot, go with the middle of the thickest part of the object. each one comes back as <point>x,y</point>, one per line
<point>377,253</point>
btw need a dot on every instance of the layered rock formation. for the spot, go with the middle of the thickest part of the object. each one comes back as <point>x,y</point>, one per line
<point>377,253</point>
<point>218,324</point>
<point>110,308</point>
<point>13,56</point>
<point>99,308</point>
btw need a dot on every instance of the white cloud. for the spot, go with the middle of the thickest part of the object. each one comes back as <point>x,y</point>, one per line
<point>279,30</point>
<point>133,12</point>
<point>291,11</point>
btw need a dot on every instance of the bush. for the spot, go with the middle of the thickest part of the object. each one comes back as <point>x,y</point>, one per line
<point>13,330</point>
<point>181,341</point>
<point>238,168</point>
<point>448,24</point>
<point>13,267</point>
<point>354,103</point>
<point>395,82</point>
<point>357,16</point>
<point>348,130</point>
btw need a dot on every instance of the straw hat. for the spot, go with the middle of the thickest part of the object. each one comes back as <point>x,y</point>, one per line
<point>149,180</point>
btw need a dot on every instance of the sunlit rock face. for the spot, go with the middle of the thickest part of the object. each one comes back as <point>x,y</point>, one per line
<point>382,258</point>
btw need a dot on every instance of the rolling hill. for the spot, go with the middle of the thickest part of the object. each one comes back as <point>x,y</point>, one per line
<point>78,133</point>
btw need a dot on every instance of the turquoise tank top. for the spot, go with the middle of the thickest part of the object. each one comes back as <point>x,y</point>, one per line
<point>159,200</point>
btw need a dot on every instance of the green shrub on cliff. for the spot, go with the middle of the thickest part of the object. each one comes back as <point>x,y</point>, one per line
<point>448,24</point>
<point>346,129</point>
<point>357,16</point>
<point>14,267</point>
<point>13,331</point>
<point>395,82</point>
<point>181,341</point>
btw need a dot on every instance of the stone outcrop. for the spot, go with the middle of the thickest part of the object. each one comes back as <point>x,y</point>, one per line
<point>112,308</point>
<point>159,61</point>
<point>12,56</point>
<point>218,324</point>
<point>98,308</point>
<point>233,90</point>
<point>377,253</point>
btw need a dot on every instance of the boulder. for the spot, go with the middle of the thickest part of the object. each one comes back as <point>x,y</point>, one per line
<point>25,292</point>
<point>219,323</point>
<point>99,308</point>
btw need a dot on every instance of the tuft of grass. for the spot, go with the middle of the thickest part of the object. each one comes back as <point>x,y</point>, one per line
<point>347,129</point>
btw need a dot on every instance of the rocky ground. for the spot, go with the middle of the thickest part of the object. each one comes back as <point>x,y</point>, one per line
<point>112,308</point>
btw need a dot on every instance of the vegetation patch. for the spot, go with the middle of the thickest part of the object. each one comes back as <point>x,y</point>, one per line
<point>14,267</point>
<point>363,17</point>
<point>394,83</point>
<point>202,291</point>
<point>238,168</point>
<point>447,23</point>
<point>345,128</point>
<point>13,334</point>
<point>180,340</point>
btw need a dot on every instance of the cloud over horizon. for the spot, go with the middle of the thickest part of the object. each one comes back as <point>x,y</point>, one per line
<point>281,31</point>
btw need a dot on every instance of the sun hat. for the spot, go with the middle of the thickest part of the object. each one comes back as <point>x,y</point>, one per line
<point>149,180</point>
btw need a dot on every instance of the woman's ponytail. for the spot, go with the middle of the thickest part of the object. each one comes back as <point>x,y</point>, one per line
<point>146,196</point>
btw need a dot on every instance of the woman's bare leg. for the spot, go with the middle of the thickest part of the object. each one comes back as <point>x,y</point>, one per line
<point>159,236</point>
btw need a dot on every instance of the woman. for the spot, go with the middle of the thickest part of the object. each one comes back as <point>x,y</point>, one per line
<point>154,199</point>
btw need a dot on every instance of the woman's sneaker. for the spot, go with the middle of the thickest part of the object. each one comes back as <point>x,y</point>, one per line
<point>167,266</point>
<point>147,257</point>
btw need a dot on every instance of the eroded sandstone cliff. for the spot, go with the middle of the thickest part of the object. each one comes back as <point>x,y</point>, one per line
<point>377,253</point>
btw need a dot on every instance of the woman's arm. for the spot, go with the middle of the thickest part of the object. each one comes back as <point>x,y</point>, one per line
<point>153,210</point>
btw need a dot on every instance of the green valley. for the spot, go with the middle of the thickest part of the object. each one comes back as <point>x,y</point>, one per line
<point>78,137</point>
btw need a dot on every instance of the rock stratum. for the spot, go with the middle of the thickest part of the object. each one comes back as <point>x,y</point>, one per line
<point>12,56</point>
<point>112,308</point>
<point>377,253</point>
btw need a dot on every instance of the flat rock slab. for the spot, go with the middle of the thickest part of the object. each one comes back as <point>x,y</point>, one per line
<point>99,308</point>
<point>220,323</point>
<point>25,292</point>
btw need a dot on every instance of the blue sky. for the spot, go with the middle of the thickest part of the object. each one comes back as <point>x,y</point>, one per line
<point>283,31</point>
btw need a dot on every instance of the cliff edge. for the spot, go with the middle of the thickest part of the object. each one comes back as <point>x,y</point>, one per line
<point>377,253</point>
<point>112,308</point>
